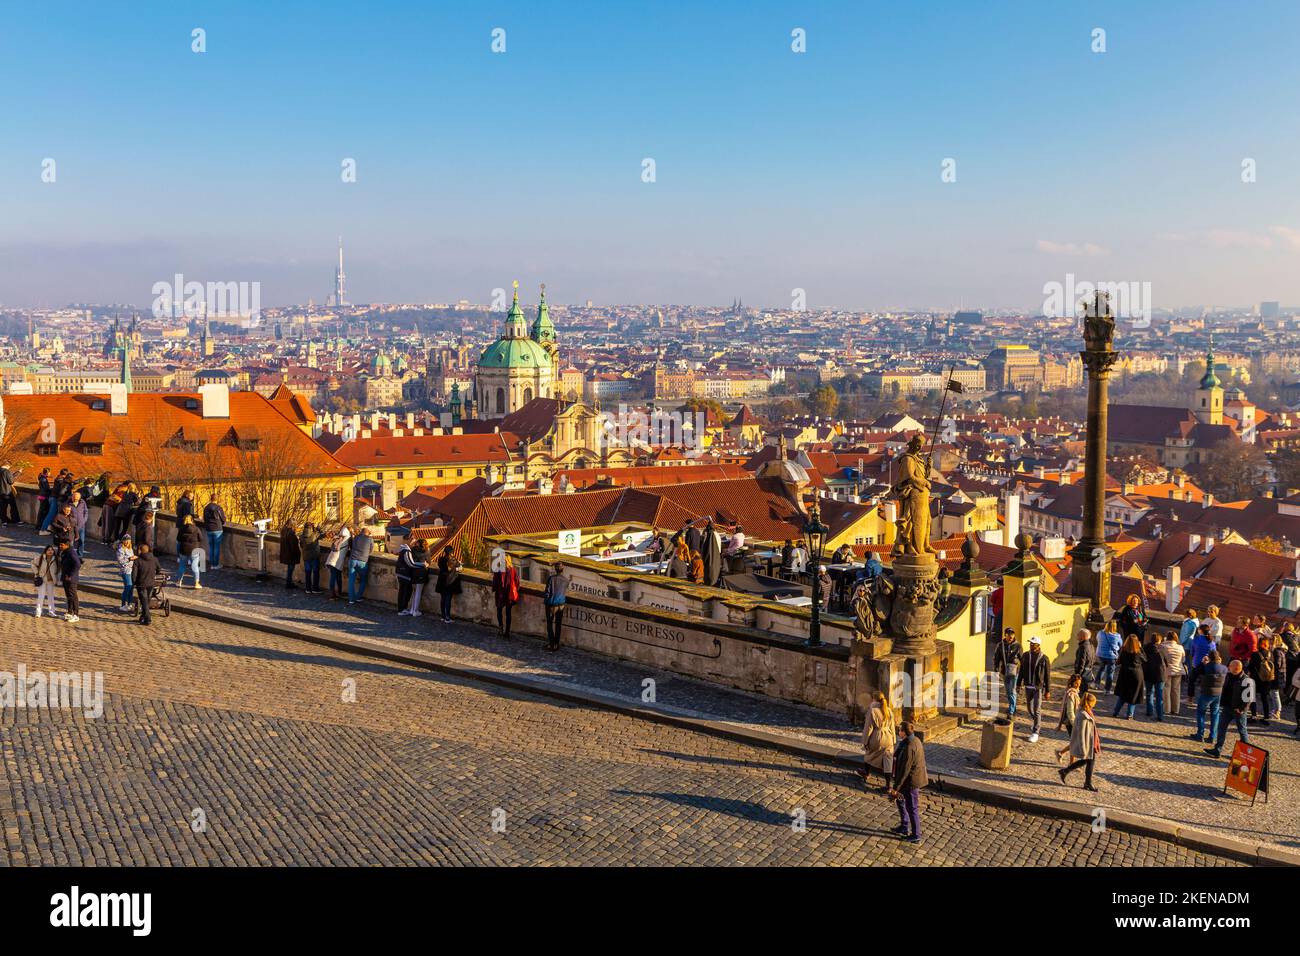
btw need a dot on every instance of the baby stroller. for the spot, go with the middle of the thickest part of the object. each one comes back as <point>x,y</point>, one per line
<point>158,600</point>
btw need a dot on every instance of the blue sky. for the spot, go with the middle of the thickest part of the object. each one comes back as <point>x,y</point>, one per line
<point>775,170</point>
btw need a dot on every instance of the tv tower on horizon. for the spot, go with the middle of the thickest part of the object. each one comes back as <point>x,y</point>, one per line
<point>340,287</point>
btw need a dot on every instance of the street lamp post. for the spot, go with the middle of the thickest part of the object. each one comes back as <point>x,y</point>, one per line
<point>814,535</point>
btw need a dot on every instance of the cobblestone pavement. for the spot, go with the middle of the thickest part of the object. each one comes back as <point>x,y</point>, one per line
<point>472,645</point>
<point>225,745</point>
<point>1147,767</point>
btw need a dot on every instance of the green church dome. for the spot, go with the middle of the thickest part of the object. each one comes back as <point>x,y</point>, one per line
<point>514,353</point>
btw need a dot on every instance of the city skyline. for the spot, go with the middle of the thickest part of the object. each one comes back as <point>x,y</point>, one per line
<point>774,170</point>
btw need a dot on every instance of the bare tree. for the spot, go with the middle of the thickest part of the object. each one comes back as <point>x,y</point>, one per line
<point>272,481</point>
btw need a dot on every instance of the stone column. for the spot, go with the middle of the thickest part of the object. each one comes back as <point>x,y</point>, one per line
<point>1091,558</point>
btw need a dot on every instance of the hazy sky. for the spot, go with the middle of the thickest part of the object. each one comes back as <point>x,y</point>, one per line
<point>775,170</point>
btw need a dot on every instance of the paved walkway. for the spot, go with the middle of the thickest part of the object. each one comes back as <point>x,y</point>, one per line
<point>223,745</point>
<point>1149,768</point>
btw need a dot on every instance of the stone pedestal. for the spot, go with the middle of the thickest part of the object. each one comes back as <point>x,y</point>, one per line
<point>911,621</point>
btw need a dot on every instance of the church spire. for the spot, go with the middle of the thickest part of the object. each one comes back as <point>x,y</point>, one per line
<point>126,366</point>
<point>543,330</point>
<point>515,326</point>
<point>1210,379</point>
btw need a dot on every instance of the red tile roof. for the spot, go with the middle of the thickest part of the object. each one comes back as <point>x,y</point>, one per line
<point>397,451</point>
<point>154,431</point>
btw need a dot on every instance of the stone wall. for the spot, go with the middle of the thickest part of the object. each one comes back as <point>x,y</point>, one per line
<point>766,656</point>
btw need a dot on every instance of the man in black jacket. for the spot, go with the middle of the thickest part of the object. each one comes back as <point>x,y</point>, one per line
<point>214,523</point>
<point>1232,706</point>
<point>1006,664</point>
<point>909,779</point>
<point>1035,678</point>
<point>70,570</point>
<point>145,576</point>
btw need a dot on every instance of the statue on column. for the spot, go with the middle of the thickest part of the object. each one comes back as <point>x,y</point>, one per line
<point>1098,323</point>
<point>913,493</point>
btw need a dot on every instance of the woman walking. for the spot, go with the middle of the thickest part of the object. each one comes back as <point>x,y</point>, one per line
<point>505,588</point>
<point>45,571</point>
<point>189,543</point>
<point>1131,685</point>
<point>879,737</point>
<point>1085,744</point>
<point>448,583</point>
<point>1069,711</point>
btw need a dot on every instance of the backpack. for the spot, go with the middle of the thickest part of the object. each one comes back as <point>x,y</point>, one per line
<point>1266,671</point>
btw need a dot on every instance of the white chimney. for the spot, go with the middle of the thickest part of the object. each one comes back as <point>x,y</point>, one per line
<point>1173,587</point>
<point>392,421</point>
<point>1013,521</point>
<point>1209,544</point>
<point>356,425</point>
<point>214,399</point>
<point>444,420</point>
<point>891,511</point>
<point>374,421</point>
<point>410,420</point>
<point>117,398</point>
<point>1193,543</point>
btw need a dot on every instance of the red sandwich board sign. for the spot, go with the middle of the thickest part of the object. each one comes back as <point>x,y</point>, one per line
<point>1248,771</point>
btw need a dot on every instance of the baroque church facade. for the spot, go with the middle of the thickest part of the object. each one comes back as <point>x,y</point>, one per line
<point>522,365</point>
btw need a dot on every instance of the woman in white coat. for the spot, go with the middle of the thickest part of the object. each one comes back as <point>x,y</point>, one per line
<point>45,571</point>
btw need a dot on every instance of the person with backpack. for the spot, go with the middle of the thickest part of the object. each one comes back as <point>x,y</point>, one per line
<point>1211,676</point>
<point>1109,643</point>
<point>1262,668</point>
<point>448,583</point>
<point>554,597</point>
<point>1130,686</point>
<point>505,589</point>
<point>420,577</point>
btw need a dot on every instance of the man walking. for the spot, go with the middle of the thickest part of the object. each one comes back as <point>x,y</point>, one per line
<point>146,579</point>
<point>70,569</point>
<point>909,778</point>
<point>1006,662</point>
<point>554,597</point>
<point>1232,706</point>
<point>1035,678</point>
